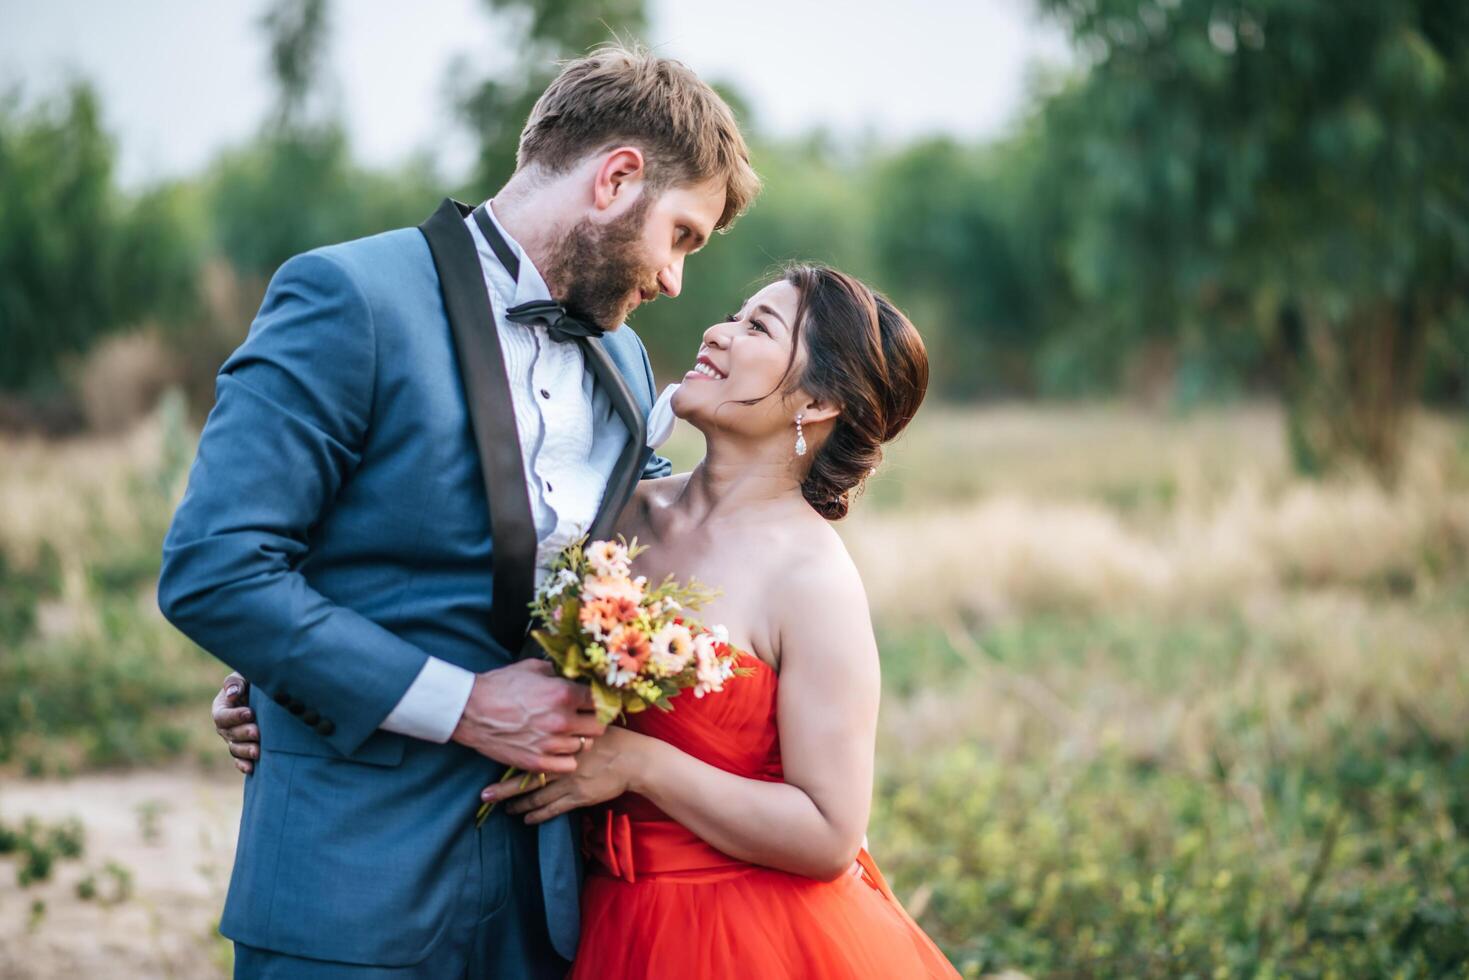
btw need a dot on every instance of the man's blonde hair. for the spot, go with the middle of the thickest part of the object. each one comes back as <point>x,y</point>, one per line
<point>623,94</point>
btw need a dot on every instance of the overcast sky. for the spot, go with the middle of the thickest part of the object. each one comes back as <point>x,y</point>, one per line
<point>182,78</point>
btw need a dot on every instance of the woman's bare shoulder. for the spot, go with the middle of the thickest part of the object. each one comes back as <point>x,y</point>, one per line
<point>648,497</point>
<point>659,492</point>
<point>814,569</point>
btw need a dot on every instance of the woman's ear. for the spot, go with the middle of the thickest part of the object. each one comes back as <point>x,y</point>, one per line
<point>813,410</point>
<point>617,177</point>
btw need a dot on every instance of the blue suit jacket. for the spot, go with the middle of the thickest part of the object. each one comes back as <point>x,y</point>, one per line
<point>335,533</point>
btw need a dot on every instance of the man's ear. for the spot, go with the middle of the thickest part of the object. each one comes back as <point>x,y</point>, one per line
<point>618,177</point>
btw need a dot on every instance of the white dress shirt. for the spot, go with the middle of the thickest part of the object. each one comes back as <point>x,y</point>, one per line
<point>570,440</point>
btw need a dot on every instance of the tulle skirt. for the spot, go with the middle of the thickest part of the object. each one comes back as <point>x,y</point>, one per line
<point>750,923</point>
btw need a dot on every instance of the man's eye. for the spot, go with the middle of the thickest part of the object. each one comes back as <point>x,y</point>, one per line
<point>683,236</point>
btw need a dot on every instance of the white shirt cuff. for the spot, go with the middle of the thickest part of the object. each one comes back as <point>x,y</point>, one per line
<point>433,704</point>
<point>661,418</point>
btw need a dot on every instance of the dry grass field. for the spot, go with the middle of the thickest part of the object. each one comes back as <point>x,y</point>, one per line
<point>1155,707</point>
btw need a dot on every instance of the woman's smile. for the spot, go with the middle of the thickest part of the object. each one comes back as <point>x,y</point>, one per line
<point>704,368</point>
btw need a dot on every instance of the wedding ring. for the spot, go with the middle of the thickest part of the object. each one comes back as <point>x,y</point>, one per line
<point>582,747</point>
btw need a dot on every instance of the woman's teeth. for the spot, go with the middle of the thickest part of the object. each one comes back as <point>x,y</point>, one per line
<point>707,371</point>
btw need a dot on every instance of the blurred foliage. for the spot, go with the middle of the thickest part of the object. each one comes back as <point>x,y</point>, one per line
<point>77,259</point>
<point>1273,176</point>
<point>40,846</point>
<point>291,191</point>
<point>1213,201</point>
<point>298,30</point>
<point>295,187</point>
<point>1351,863</point>
<point>115,685</point>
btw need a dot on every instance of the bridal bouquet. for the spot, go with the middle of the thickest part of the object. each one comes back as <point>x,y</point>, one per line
<point>632,643</point>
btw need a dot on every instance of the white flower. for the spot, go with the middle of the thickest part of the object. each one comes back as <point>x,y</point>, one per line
<point>720,632</point>
<point>711,673</point>
<point>611,587</point>
<point>673,646</point>
<point>563,580</point>
<point>608,559</point>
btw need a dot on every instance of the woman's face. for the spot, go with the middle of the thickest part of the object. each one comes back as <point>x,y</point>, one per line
<point>745,359</point>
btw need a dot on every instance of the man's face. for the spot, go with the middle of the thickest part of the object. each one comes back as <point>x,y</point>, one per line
<point>602,270</point>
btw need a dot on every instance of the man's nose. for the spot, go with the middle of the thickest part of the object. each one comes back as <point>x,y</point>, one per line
<point>670,280</point>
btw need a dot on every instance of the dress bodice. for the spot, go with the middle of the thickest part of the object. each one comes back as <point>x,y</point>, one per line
<point>734,730</point>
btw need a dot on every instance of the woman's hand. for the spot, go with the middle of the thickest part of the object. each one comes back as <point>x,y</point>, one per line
<point>235,722</point>
<point>605,769</point>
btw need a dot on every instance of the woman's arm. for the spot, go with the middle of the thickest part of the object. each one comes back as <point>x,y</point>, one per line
<point>813,823</point>
<point>235,722</point>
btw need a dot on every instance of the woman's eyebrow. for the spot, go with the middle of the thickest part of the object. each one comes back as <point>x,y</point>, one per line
<point>771,310</point>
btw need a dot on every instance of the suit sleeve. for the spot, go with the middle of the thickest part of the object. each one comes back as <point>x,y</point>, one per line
<point>657,466</point>
<point>289,424</point>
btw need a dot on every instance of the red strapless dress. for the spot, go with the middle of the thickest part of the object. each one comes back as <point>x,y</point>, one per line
<point>660,903</point>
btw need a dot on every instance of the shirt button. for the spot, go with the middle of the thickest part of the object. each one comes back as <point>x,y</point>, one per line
<point>549,488</point>
<point>545,393</point>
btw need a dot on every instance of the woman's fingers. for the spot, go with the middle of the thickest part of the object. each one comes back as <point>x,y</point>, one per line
<point>517,785</point>
<point>539,798</point>
<point>234,722</point>
<point>230,709</point>
<point>232,717</point>
<point>551,810</point>
<point>236,688</point>
<point>240,733</point>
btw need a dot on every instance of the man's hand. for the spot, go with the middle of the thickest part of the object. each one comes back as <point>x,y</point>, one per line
<point>235,722</point>
<point>604,771</point>
<point>525,716</point>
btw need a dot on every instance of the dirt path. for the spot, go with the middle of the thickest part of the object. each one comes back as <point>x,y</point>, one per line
<point>174,834</point>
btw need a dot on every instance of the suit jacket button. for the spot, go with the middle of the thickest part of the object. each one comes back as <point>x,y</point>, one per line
<point>325,727</point>
<point>282,698</point>
<point>311,717</point>
<point>295,707</point>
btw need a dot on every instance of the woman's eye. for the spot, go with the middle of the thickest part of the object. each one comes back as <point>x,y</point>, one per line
<point>732,318</point>
<point>759,326</point>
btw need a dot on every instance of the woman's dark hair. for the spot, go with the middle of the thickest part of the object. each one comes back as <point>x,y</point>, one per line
<point>863,356</point>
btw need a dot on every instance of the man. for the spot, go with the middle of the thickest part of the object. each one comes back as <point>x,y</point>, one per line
<point>417,423</point>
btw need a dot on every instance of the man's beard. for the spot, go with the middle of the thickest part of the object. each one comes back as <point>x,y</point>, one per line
<point>594,267</point>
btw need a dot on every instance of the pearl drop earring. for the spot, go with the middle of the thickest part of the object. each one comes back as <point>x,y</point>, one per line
<point>800,437</point>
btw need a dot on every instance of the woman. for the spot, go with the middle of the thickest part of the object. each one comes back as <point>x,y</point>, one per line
<point>727,835</point>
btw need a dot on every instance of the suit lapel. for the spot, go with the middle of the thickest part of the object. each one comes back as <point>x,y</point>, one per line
<point>629,466</point>
<point>491,416</point>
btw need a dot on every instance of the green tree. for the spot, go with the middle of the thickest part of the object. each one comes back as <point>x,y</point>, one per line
<point>1277,175</point>
<point>296,187</point>
<point>960,232</point>
<point>78,258</point>
<point>298,30</point>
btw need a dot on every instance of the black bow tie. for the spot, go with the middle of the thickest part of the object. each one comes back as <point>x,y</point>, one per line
<point>560,325</point>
